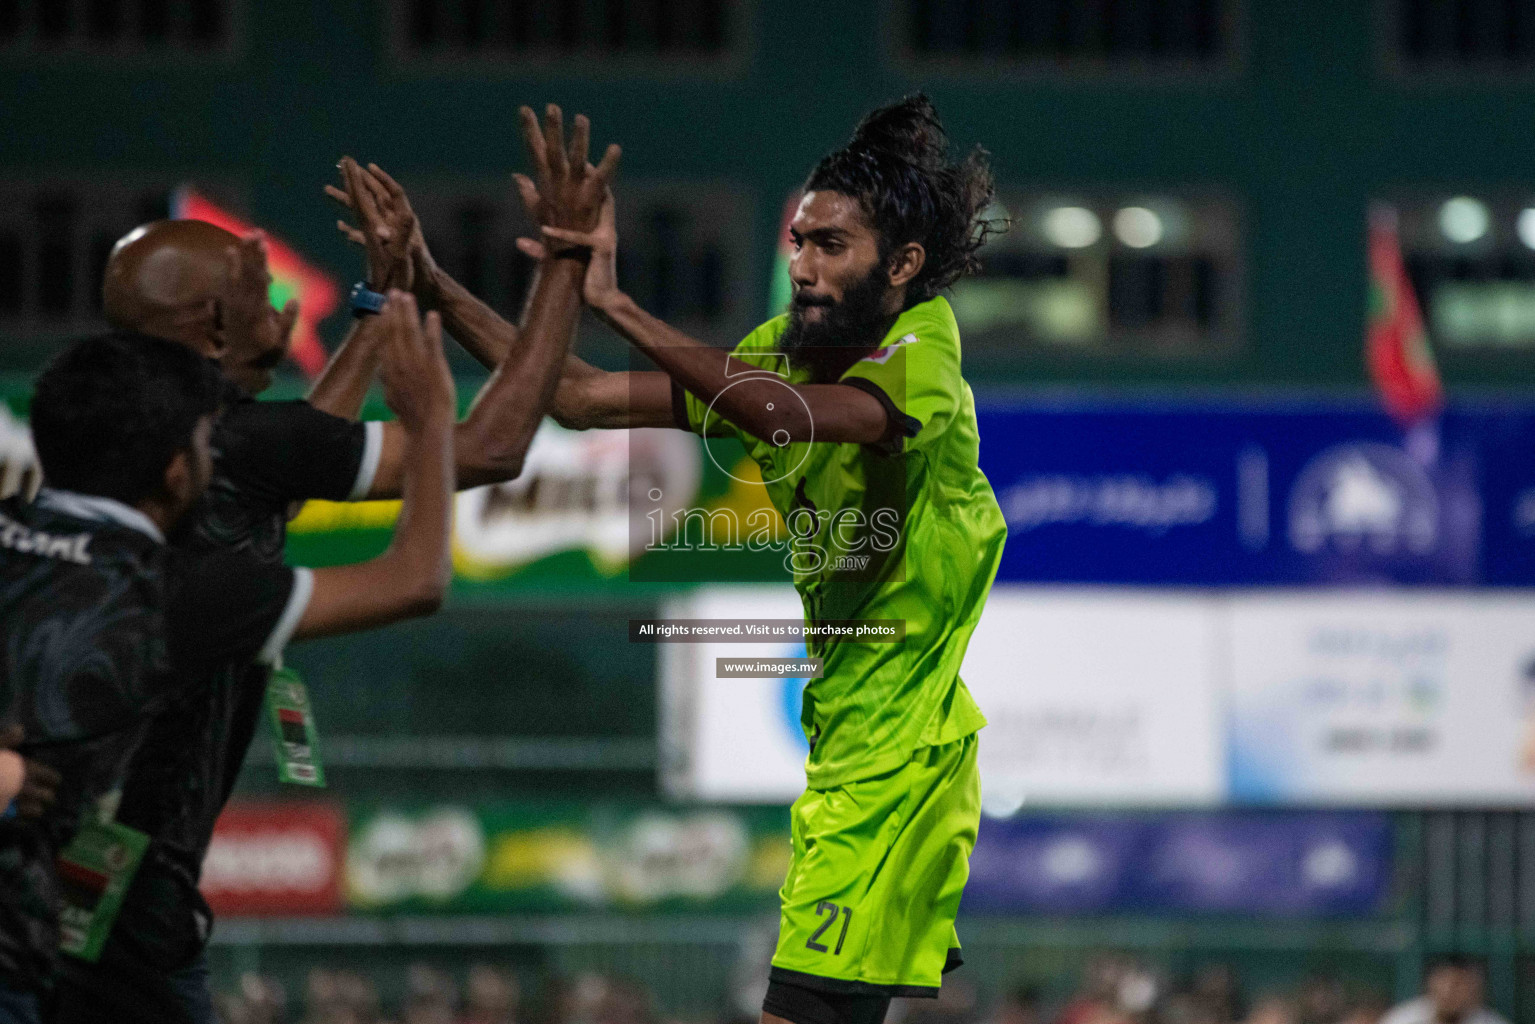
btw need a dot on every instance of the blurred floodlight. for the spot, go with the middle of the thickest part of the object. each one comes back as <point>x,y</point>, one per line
<point>1463,219</point>
<point>1138,227</point>
<point>1526,227</point>
<point>1072,227</point>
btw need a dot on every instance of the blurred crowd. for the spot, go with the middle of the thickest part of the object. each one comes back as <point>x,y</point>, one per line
<point>1116,989</point>
<point>432,996</point>
<point>1112,989</point>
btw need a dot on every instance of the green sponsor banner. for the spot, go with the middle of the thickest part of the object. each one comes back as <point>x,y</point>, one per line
<point>576,520</point>
<point>565,856</point>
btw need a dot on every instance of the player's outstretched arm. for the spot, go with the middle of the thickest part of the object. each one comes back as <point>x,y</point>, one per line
<point>588,398</point>
<point>411,577</point>
<point>569,191</point>
<point>389,232</point>
<point>584,397</point>
<point>735,389</point>
<point>343,385</point>
<point>493,440</point>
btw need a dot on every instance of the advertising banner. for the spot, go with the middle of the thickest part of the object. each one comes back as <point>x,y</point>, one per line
<point>565,521</point>
<point>1091,697</point>
<point>1214,493</point>
<point>1125,697</point>
<point>706,721</point>
<point>1262,864</point>
<point>305,858</point>
<point>1382,698</point>
<point>276,858</point>
<point>1097,697</point>
<point>1262,494</point>
<point>580,518</point>
<point>557,856</point>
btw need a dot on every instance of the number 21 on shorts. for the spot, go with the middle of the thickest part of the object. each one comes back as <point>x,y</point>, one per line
<point>821,910</point>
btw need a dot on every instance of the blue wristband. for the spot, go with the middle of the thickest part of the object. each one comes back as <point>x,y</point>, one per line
<point>10,810</point>
<point>366,301</point>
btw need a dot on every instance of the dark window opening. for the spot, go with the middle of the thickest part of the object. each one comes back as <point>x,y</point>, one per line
<point>189,25</point>
<point>508,27</point>
<point>1137,31</point>
<point>1478,33</point>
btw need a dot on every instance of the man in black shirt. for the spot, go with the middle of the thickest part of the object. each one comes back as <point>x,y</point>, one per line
<point>106,628</point>
<point>193,283</point>
<point>82,597</point>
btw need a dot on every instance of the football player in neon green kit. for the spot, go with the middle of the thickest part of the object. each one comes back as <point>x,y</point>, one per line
<point>879,423</point>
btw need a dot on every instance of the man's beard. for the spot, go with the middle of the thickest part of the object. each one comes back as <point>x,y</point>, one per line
<point>847,331</point>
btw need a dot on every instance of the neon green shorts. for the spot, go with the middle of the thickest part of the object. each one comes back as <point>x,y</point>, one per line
<point>878,868</point>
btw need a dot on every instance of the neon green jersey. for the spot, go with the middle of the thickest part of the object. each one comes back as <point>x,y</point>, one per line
<point>907,529</point>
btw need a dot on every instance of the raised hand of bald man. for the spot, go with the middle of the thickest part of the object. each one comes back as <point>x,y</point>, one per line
<point>387,230</point>
<point>386,227</point>
<point>482,332</point>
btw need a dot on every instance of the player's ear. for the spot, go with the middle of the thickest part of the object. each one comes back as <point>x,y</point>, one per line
<point>184,483</point>
<point>906,263</point>
<point>178,476</point>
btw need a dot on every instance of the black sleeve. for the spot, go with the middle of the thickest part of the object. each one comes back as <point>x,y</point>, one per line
<point>291,451</point>
<point>898,425</point>
<point>680,408</point>
<point>232,606</point>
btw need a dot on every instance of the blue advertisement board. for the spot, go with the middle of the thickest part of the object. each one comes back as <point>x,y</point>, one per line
<point>1262,494</point>
<point>1280,864</point>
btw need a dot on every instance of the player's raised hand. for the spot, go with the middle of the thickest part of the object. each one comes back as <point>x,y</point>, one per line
<point>423,268</point>
<point>601,244</point>
<point>385,226</point>
<point>417,383</point>
<point>565,191</point>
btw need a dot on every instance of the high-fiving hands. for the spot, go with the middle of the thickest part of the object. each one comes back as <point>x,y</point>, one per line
<point>572,201</point>
<point>600,285</point>
<point>569,191</point>
<point>564,191</point>
<point>387,229</point>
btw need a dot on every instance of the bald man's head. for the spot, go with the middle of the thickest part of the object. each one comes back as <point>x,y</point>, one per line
<point>191,282</point>
<point>166,279</point>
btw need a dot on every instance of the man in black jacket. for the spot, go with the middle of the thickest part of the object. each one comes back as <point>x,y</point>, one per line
<point>106,626</point>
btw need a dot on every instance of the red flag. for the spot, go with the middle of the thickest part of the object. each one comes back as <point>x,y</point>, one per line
<point>1396,343</point>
